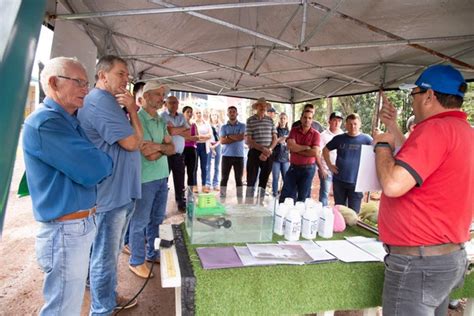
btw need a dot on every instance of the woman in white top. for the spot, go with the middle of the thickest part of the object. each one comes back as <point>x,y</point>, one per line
<point>203,147</point>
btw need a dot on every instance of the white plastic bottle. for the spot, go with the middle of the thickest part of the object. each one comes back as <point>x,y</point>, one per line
<point>293,225</point>
<point>319,206</point>
<point>289,201</point>
<point>326,223</point>
<point>309,223</point>
<point>313,203</point>
<point>309,202</point>
<point>279,221</point>
<point>300,207</point>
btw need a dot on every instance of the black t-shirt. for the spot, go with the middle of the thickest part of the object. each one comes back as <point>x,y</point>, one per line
<point>280,152</point>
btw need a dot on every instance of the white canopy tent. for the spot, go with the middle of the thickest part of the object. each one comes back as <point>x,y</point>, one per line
<point>288,51</point>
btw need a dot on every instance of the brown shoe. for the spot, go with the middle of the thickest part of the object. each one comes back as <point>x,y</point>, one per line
<point>195,189</point>
<point>126,250</point>
<point>206,189</point>
<point>124,302</point>
<point>156,260</point>
<point>141,271</point>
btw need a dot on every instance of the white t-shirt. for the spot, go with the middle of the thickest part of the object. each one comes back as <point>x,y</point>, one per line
<point>204,128</point>
<point>326,137</point>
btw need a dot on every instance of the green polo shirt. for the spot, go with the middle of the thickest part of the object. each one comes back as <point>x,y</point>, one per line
<point>154,129</point>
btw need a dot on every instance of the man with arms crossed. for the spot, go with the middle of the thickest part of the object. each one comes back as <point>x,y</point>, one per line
<point>262,138</point>
<point>427,202</point>
<point>303,143</point>
<point>232,139</point>
<point>63,167</point>
<point>151,208</point>
<point>107,126</point>
<point>177,128</point>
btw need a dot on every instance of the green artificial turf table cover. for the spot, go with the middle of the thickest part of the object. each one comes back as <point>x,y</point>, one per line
<point>290,289</point>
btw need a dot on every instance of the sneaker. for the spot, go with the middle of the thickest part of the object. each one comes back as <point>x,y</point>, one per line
<point>141,271</point>
<point>126,250</point>
<point>453,304</point>
<point>124,302</point>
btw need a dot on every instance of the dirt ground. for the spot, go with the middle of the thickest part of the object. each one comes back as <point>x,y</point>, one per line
<point>21,279</point>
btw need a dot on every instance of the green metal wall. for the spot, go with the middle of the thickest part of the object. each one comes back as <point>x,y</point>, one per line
<point>15,72</point>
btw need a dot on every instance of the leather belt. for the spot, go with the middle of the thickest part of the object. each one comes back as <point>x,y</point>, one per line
<point>424,251</point>
<point>77,215</point>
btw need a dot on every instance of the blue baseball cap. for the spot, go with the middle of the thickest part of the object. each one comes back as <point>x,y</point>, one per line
<point>440,78</point>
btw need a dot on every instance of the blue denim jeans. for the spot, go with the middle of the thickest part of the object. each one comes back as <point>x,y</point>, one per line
<point>277,168</point>
<point>217,164</point>
<point>203,157</point>
<point>324,188</point>
<point>297,184</point>
<point>421,285</point>
<point>111,227</point>
<point>62,251</point>
<point>345,194</point>
<point>149,214</point>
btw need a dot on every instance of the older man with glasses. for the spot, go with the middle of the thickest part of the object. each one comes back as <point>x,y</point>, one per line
<point>62,168</point>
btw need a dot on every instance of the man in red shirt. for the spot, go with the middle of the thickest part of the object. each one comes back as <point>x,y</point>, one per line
<point>303,143</point>
<point>427,202</point>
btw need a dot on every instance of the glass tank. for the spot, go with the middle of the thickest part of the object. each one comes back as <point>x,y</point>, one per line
<point>239,217</point>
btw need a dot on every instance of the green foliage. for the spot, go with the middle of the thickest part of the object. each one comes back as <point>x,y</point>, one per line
<point>362,104</point>
<point>320,111</point>
<point>468,105</point>
<point>402,102</point>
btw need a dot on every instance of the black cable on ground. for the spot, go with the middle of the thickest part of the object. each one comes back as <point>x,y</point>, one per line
<point>139,292</point>
<point>163,243</point>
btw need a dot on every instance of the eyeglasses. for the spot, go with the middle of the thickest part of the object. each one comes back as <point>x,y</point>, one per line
<point>419,92</point>
<point>79,82</point>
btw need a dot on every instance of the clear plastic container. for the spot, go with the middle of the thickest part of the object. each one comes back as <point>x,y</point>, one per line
<point>245,219</point>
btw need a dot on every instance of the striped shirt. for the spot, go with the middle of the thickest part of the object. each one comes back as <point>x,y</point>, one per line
<point>261,130</point>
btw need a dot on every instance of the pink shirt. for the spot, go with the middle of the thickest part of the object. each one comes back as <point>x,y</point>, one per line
<point>191,143</point>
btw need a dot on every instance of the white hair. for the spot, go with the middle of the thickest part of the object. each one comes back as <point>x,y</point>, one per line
<point>55,67</point>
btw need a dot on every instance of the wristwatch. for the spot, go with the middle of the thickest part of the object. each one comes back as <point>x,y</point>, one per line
<point>383,144</point>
